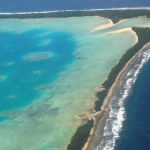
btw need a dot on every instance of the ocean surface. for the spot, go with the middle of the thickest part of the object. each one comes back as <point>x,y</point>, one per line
<point>44,5</point>
<point>135,134</point>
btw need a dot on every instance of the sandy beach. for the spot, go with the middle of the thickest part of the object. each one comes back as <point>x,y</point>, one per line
<point>121,30</point>
<point>106,25</point>
<point>118,26</point>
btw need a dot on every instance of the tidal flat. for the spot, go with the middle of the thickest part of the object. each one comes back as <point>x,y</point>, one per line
<point>81,59</point>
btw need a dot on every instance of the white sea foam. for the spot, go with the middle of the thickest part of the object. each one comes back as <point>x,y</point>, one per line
<point>71,10</point>
<point>117,113</point>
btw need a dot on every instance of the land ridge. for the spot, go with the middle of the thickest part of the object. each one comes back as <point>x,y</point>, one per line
<point>144,37</point>
<point>114,14</point>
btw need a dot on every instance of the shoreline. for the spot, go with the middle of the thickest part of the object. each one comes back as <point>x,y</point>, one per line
<point>106,25</point>
<point>101,105</point>
<point>102,115</point>
<point>128,29</point>
<point>100,118</point>
<point>105,108</point>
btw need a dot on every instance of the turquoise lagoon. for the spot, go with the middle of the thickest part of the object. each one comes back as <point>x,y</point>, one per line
<point>50,70</point>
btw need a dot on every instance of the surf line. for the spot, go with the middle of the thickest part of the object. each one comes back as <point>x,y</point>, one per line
<point>100,117</point>
<point>122,90</point>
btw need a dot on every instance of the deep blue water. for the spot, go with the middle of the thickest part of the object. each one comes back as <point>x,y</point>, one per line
<point>136,130</point>
<point>41,5</point>
<point>21,85</point>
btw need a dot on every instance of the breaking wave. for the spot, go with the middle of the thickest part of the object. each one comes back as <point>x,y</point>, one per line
<point>73,10</point>
<point>117,113</point>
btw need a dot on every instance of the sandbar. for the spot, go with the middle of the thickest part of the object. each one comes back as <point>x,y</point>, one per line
<point>37,56</point>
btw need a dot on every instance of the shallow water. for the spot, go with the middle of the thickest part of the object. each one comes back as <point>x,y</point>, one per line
<point>50,69</point>
<point>24,76</point>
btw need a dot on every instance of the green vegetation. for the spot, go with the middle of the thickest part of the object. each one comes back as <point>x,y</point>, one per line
<point>144,37</point>
<point>114,15</point>
<point>83,131</point>
<point>81,136</point>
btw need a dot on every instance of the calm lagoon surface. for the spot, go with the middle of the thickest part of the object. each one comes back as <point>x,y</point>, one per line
<point>48,68</point>
<point>49,72</point>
